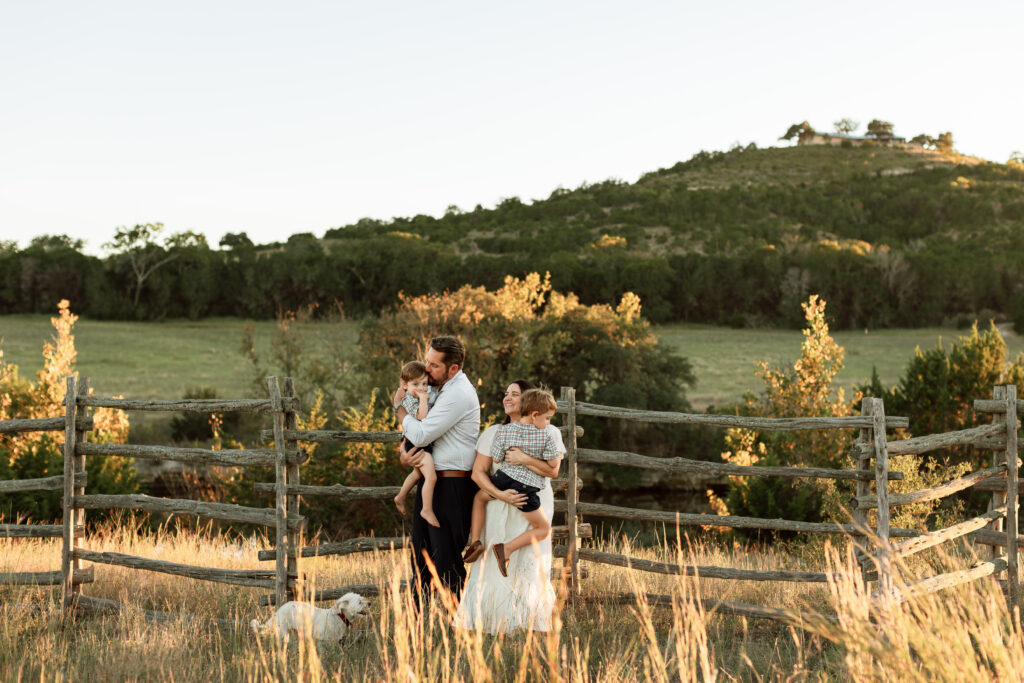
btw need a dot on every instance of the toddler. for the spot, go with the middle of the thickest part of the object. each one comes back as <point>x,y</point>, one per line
<point>416,396</point>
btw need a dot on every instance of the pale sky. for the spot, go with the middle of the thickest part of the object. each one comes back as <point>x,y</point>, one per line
<point>277,118</point>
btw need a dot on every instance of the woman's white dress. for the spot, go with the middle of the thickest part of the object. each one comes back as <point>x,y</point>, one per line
<point>492,602</point>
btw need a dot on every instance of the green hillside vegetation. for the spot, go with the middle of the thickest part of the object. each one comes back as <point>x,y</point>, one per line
<point>889,237</point>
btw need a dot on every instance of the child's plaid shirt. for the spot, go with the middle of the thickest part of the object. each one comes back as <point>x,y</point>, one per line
<point>536,443</point>
<point>411,403</point>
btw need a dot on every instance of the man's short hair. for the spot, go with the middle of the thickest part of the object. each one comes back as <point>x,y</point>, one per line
<point>452,348</point>
<point>536,401</point>
<point>414,369</point>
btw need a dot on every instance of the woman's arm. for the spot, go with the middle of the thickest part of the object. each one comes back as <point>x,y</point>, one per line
<point>482,476</point>
<point>545,468</point>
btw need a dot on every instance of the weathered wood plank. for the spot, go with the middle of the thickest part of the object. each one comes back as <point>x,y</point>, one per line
<point>863,443</point>
<point>46,424</point>
<point>346,547</point>
<point>934,493</point>
<point>54,483</point>
<point>996,539</point>
<point>982,405</point>
<point>561,484</point>
<point>87,604</point>
<point>996,483</point>
<point>738,609</point>
<point>280,494</point>
<point>1012,490</point>
<point>717,469</point>
<point>222,511</point>
<point>706,572</point>
<point>327,594</point>
<point>250,457</point>
<point>54,578</point>
<point>195,405</point>
<point>36,530</point>
<point>295,539</point>
<point>932,442</point>
<point>236,577</point>
<point>67,511</point>
<point>884,561</point>
<point>79,460</point>
<point>755,423</point>
<point>934,584</point>
<point>572,494</point>
<point>333,435</point>
<point>934,538</point>
<point>339,491</point>
<point>694,519</point>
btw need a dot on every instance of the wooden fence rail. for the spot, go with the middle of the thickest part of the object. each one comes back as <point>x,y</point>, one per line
<point>730,421</point>
<point>251,457</point>
<point>54,483</point>
<point>46,424</point>
<point>237,577</point>
<point>718,469</point>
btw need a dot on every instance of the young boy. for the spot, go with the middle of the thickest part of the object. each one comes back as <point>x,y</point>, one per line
<point>529,433</point>
<point>416,396</point>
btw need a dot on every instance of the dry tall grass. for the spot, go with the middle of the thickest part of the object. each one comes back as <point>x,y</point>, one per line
<point>966,633</point>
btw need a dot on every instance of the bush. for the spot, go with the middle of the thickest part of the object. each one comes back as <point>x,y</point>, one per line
<point>40,454</point>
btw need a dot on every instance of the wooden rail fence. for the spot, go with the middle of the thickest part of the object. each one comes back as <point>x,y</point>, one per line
<point>996,529</point>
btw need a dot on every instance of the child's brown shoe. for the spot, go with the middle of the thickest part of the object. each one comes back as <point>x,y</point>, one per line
<point>499,553</point>
<point>473,551</point>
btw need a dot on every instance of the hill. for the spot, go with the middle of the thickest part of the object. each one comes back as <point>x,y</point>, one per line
<point>889,237</point>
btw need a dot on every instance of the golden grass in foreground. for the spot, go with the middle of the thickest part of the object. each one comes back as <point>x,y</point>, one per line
<point>961,634</point>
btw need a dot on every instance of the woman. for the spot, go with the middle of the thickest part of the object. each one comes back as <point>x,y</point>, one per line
<point>526,598</point>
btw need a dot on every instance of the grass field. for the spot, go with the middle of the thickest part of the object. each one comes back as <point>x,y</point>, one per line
<point>960,634</point>
<point>163,360</point>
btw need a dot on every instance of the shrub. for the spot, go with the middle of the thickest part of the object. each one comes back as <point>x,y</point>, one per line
<point>40,454</point>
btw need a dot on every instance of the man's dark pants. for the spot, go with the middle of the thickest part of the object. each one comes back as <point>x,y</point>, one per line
<point>453,505</point>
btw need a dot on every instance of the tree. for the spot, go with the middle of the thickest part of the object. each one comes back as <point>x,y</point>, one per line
<point>1017,157</point>
<point>137,245</point>
<point>801,131</point>
<point>54,242</point>
<point>926,141</point>
<point>235,240</point>
<point>881,130</point>
<point>944,143</point>
<point>845,126</point>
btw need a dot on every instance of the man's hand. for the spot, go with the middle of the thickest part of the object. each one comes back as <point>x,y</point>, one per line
<point>513,498</point>
<point>410,458</point>
<point>516,456</point>
<point>399,395</point>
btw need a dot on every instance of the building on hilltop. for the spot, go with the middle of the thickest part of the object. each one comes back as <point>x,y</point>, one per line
<point>836,140</point>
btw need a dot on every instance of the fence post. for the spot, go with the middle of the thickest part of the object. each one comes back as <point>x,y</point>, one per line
<point>295,539</point>
<point>67,573</point>
<point>860,516</point>
<point>81,436</point>
<point>885,584</point>
<point>999,497</point>
<point>280,499</point>
<point>1012,575</point>
<point>571,492</point>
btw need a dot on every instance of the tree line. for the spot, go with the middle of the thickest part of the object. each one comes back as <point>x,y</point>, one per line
<point>930,246</point>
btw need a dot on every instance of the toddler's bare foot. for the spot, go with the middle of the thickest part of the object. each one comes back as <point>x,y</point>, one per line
<point>430,517</point>
<point>400,504</point>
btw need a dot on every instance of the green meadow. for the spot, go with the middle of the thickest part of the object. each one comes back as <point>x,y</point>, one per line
<point>165,359</point>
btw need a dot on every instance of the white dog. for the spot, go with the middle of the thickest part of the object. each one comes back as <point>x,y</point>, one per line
<point>321,624</point>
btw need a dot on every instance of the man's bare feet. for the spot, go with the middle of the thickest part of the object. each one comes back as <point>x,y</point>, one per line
<point>430,517</point>
<point>400,504</point>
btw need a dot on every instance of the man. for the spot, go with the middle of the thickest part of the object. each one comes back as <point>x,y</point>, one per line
<point>452,426</point>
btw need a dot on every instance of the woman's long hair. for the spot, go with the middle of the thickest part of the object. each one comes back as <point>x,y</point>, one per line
<point>524,385</point>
